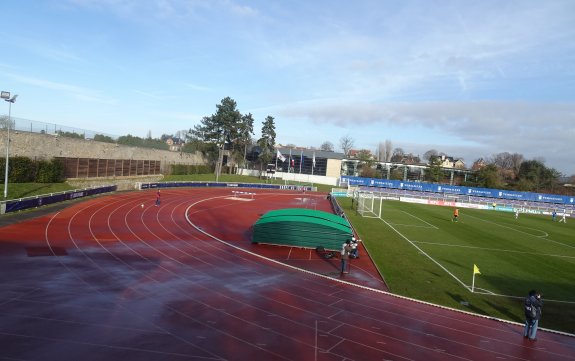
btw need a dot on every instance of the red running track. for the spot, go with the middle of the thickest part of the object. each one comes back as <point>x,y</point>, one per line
<point>109,280</point>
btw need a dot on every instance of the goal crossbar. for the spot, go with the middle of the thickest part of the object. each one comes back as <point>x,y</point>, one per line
<point>369,205</point>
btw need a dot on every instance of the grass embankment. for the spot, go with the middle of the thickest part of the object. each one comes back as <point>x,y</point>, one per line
<point>22,190</point>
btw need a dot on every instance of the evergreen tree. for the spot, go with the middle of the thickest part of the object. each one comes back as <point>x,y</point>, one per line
<point>216,129</point>
<point>535,176</point>
<point>489,177</point>
<point>245,131</point>
<point>434,173</point>
<point>268,140</point>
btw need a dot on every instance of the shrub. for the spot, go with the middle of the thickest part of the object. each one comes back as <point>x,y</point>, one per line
<point>22,170</point>
<point>51,171</point>
<point>26,170</point>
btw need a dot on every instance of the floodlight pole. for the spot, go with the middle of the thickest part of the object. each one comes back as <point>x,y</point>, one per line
<point>6,97</point>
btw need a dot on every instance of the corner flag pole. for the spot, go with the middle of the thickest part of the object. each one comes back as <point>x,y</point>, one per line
<point>475,271</point>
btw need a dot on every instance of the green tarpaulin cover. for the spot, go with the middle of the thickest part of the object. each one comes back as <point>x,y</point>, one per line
<point>301,227</point>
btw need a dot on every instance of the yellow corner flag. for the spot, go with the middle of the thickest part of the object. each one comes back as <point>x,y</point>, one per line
<point>476,269</point>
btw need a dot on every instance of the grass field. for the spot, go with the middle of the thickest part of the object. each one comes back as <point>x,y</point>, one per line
<point>424,255</point>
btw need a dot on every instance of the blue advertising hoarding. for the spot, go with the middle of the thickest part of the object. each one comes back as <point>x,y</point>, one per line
<point>226,185</point>
<point>459,190</point>
<point>33,202</point>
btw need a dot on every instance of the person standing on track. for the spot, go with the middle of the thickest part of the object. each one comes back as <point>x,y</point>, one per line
<point>354,247</point>
<point>533,308</point>
<point>158,199</point>
<point>345,251</point>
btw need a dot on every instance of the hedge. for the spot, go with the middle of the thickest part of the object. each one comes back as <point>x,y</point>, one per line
<point>186,169</point>
<point>26,170</point>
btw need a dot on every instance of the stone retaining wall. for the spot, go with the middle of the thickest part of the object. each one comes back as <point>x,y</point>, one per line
<point>46,146</point>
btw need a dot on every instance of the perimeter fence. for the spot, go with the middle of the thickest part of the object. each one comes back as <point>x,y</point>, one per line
<point>33,126</point>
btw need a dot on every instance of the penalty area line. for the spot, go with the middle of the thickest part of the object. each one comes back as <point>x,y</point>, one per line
<point>410,225</point>
<point>426,255</point>
<point>409,214</point>
<point>493,249</point>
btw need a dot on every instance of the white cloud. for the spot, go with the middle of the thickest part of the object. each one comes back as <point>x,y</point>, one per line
<point>198,87</point>
<point>72,90</point>
<point>242,10</point>
<point>534,129</point>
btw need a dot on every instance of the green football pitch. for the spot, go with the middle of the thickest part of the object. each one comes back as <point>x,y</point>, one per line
<point>423,254</point>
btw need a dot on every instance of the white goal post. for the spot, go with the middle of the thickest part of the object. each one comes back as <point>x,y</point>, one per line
<point>368,204</point>
<point>352,191</point>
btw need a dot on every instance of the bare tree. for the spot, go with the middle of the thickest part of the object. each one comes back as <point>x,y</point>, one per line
<point>380,153</point>
<point>384,151</point>
<point>181,134</point>
<point>326,146</point>
<point>430,154</point>
<point>346,144</point>
<point>388,152</point>
<point>508,163</point>
<point>516,160</point>
<point>502,160</point>
<point>397,155</point>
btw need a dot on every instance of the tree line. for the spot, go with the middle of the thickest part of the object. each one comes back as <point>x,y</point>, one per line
<point>228,129</point>
<point>511,171</point>
<point>500,171</point>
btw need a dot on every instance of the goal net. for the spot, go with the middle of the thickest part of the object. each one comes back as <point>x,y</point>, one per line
<point>352,191</point>
<point>369,205</point>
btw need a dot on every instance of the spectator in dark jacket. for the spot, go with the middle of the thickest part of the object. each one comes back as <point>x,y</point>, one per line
<point>345,251</point>
<point>533,308</point>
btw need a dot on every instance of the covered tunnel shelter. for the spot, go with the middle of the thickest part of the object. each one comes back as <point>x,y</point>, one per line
<point>301,227</point>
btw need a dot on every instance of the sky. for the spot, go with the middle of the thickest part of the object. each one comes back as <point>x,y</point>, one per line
<point>466,78</point>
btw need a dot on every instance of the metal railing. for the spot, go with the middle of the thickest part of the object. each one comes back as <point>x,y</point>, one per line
<point>33,126</point>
